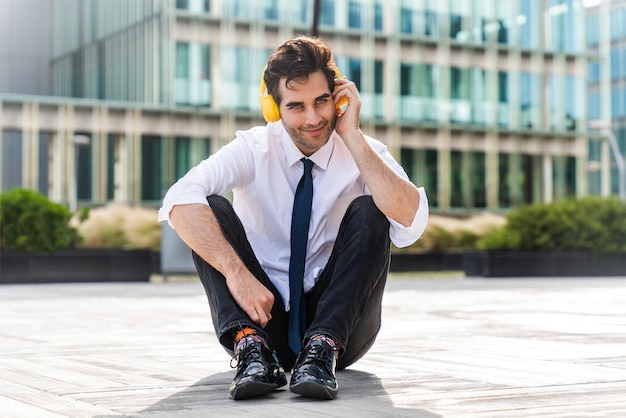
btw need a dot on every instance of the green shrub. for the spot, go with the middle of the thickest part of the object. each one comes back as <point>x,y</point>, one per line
<point>589,223</point>
<point>448,233</point>
<point>30,221</point>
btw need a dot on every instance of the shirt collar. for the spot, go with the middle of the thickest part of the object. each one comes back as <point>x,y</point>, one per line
<point>321,157</point>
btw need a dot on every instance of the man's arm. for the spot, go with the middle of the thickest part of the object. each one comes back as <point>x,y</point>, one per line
<point>395,196</point>
<point>198,228</point>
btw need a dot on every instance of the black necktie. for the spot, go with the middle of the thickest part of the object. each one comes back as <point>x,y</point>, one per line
<point>299,235</point>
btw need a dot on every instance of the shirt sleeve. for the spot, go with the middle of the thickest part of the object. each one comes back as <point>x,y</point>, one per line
<point>403,236</point>
<point>228,168</point>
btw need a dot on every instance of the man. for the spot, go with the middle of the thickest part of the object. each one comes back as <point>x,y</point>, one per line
<point>294,270</point>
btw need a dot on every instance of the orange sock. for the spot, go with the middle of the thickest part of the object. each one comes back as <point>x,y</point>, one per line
<point>243,332</point>
<point>246,335</point>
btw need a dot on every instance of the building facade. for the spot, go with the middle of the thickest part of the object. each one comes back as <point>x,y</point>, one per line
<point>606,22</point>
<point>483,101</point>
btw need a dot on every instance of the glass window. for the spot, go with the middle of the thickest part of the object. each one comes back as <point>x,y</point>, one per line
<point>503,98</point>
<point>519,179</point>
<point>111,157</point>
<point>563,177</point>
<point>594,174</point>
<point>418,18</point>
<point>406,16</point>
<point>564,15</point>
<point>431,179</point>
<point>11,158</point>
<point>431,24</point>
<point>241,69</point>
<point>593,29</point>
<point>572,104</point>
<point>192,84</point>
<point>421,167</point>
<point>456,179</point>
<point>77,74</point>
<point>530,177</point>
<point>593,104</point>
<point>615,64</point>
<point>83,169</point>
<point>460,95</point>
<point>554,101</point>
<point>504,181</point>
<point>354,71</point>
<point>378,15</point>
<point>327,12</point>
<point>570,176</point>
<point>151,187</point>
<point>182,60</point>
<point>479,177</point>
<point>196,6</point>
<point>529,105</point>
<point>593,69</point>
<point>182,163</point>
<point>617,99</point>
<point>44,161</point>
<point>529,22</point>
<point>379,98</point>
<point>479,104</point>
<point>503,10</point>
<point>460,22</point>
<point>354,14</point>
<point>417,92</point>
<point>271,9</point>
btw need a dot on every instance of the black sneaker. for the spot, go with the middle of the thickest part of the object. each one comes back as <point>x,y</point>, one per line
<point>313,374</point>
<point>258,371</point>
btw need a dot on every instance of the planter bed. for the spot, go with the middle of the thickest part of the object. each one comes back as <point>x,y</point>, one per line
<point>75,265</point>
<point>436,261</point>
<point>538,263</point>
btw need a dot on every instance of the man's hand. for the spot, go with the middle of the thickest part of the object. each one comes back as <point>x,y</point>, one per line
<point>395,196</point>
<point>254,298</point>
<point>349,120</point>
<point>197,227</point>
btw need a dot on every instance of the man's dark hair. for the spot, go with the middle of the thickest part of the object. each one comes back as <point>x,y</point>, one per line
<point>296,59</point>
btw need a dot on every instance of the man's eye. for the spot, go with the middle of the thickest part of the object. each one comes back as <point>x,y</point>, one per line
<point>323,100</point>
<point>295,106</point>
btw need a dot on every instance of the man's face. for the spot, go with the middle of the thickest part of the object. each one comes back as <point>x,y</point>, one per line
<point>307,111</point>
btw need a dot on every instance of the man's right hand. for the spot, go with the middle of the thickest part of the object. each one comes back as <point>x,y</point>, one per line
<point>254,298</point>
<point>197,227</point>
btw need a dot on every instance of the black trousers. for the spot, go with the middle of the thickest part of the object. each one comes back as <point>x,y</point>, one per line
<point>345,303</point>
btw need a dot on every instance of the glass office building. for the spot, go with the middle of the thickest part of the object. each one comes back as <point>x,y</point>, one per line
<point>606,36</point>
<point>483,101</point>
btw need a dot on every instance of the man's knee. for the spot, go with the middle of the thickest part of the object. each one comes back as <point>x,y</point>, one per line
<point>218,203</point>
<point>363,210</point>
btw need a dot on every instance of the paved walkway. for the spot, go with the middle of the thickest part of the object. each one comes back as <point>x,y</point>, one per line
<point>450,347</point>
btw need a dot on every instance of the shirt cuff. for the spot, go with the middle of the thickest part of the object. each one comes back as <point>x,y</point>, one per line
<point>403,236</point>
<point>172,200</point>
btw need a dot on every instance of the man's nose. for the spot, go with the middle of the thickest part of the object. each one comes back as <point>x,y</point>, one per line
<point>312,116</point>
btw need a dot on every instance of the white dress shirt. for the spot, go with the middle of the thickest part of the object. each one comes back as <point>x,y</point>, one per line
<point>262,168</point>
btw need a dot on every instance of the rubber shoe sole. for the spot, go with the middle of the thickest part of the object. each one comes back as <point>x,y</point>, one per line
<point>314,390</point>
<point>252,389</point>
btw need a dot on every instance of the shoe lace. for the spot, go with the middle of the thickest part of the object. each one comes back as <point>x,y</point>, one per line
<point>326,352</point>
<point>247,354</point>
<point>254,353</point>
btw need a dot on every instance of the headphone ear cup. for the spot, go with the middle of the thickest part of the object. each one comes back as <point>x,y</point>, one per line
<point>269,108</point>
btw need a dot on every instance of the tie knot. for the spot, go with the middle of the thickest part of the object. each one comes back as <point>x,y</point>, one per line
<point>308,165</point>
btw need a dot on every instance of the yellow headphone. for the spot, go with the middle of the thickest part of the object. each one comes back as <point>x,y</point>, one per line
<point>269,108</point>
